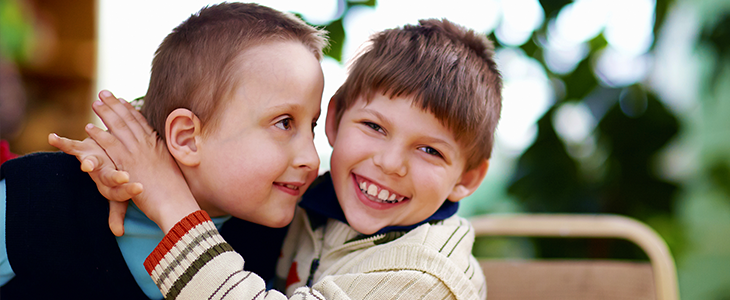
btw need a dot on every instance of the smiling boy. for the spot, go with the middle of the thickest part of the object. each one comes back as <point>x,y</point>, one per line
<point>234,92</point>
<point>412,131</point>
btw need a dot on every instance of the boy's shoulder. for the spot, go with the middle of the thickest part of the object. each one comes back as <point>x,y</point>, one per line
<point>448,233</point>
<point>46,187</point>
<point>441,249</point>
<point>47,174</point>
<point>50,184</point>
<point>40,164</point>
<point>55,217</point>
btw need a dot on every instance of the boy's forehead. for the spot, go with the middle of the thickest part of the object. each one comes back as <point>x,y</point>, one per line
<point>256,60</point>
<point>269,73</point>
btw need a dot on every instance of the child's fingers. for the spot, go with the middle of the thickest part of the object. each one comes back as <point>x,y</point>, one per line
<point>138,115</point>
<point>109,142</point>
<point>83,150</point>
<point>119,177</point>
<point>121,192</point>
<point>126,116</point>
<point>108,176</point>
<point>140,118</point>
<point>133,189</point>
<point>114,123</point>
<point>89,163</point>
<point>68,146</point>
<point>117,211</point>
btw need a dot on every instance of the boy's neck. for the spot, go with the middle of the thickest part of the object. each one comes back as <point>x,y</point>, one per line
<point>201,196</point>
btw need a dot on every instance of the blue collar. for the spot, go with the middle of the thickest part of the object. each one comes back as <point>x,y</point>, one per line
<point>321,203</point>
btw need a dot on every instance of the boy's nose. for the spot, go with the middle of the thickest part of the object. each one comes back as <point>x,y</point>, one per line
<point>306,154</point>
<point>391,162</point>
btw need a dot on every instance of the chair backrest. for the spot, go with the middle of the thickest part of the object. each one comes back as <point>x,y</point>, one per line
<point>579,279</point>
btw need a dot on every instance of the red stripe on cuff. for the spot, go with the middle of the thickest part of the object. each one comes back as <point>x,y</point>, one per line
<point>171,238</point>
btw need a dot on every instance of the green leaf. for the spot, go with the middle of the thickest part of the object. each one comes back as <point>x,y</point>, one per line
<point>581,81</point>
<point>531,49</point>
<point>552,7</point>
<point>336,39</point>
<point>660,13</point>
<point>369,3</point>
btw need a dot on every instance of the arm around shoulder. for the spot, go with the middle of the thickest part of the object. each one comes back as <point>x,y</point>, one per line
<point>193,261</point>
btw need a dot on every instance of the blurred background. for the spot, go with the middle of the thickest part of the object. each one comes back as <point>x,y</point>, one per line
<point>610,106</point>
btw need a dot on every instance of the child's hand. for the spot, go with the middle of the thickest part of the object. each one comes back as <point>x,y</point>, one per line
<point>134,147</point>
<point>112,184</point>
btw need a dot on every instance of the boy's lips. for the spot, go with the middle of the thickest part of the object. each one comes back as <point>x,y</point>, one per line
<point>376,195</point>
<point>292,188</point>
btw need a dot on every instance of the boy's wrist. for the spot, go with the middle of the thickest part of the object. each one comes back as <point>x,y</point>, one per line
<point>168,208</point>
<point>175,213</point>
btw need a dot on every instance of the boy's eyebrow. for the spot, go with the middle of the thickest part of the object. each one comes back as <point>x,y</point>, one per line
<point>284,107</point>
<point>430,139</point>
<point>378,115</point>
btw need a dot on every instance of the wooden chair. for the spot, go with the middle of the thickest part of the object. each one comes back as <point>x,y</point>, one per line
<point>578,279</point>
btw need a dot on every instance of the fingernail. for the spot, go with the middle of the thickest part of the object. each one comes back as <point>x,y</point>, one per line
<point>89,126</point>
<point>98,103</point>
<point>105,93</point>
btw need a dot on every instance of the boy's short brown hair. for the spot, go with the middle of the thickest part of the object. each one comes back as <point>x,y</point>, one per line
<point>447,69</point>
<point>193,67</point>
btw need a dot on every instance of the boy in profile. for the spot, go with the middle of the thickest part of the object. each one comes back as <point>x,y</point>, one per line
<point>412,131</point>
<point>233,78</point>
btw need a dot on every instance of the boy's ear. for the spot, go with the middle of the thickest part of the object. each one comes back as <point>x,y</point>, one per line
<point>329,125</point>
<point>182,133</point>
<point>469,182</point>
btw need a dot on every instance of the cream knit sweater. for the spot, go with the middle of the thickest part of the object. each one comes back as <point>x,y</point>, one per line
<point>432,261</point>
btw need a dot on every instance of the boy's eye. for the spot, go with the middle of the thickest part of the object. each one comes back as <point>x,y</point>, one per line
<point>374,126</point>
<point>431,151</point>
<point>284,124</point>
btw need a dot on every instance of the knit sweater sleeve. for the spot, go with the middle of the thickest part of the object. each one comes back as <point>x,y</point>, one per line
<point>194,262</point>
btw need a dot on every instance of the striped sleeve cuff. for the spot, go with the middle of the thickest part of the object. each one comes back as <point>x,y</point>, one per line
<point>189,245</point>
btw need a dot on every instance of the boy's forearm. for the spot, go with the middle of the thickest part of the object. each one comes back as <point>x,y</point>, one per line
<point>194,262</point>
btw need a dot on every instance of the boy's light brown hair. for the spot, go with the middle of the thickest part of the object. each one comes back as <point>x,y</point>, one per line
<point>447,69</point>
<point>194,66</point>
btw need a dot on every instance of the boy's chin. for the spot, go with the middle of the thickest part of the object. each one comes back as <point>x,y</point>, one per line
<point>366,227</point>
<point>279,224</point>
<point>280,221</point>
<point>366,230</point>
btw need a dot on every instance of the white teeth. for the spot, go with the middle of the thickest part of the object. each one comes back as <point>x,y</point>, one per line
<point>289,186</point>
<point>372,190</point>
<point>383,195</point>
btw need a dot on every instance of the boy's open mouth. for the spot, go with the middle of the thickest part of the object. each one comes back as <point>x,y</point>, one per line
<point>291,186</point>
<point>292,189</point>
<point>378,193</point>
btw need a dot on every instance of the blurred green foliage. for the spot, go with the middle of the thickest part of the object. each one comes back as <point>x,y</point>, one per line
<point>633,127</point>
<point>16,31</point>
<point>336,30</point>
